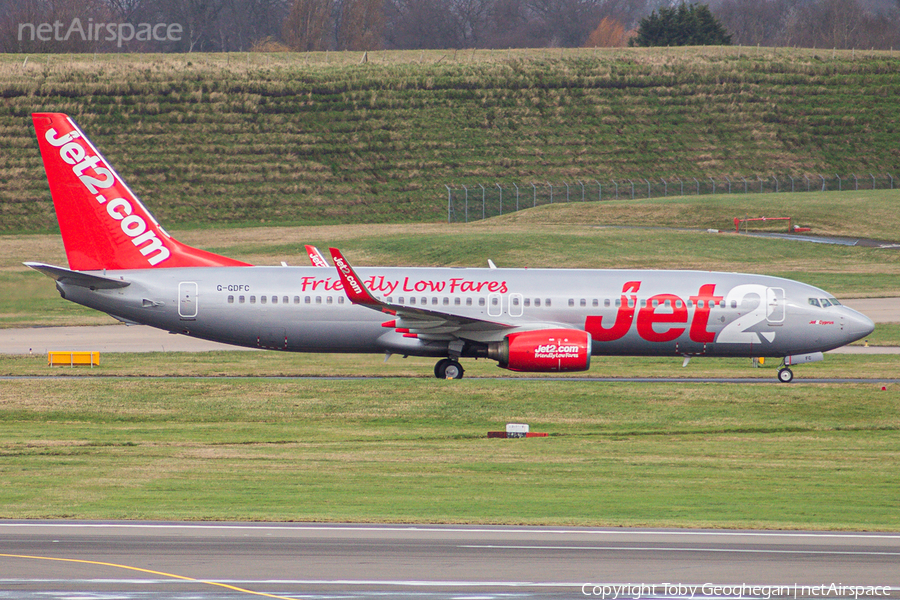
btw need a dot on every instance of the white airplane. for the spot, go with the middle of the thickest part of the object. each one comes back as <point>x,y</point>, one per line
<point>122,262</point>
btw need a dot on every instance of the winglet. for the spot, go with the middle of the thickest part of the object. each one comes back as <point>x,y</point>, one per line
<point>353,285</point>
<point>315,256</point>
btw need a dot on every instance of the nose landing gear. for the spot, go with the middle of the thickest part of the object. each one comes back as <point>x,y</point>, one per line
<point>785,375</point>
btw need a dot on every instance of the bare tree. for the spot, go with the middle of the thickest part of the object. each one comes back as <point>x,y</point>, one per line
<point>308,25</point>
<point>359,24</point>
<point>752,22</point>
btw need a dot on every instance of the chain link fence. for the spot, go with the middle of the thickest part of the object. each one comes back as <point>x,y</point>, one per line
<point>473,202</point>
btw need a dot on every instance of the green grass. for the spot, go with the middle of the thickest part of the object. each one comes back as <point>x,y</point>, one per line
<point>291,138</point>
<point>416,451</point>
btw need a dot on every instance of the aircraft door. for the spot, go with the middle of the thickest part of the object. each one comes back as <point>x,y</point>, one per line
<point>775,305</point>
<point>187,300</point>
<point>495,305</point>
<point>516,306</point>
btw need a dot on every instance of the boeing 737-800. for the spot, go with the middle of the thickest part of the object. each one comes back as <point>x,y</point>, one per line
<point>122,262</point>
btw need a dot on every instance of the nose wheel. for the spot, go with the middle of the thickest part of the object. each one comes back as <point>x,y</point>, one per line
<point>447,368</point>
<point>785,375</point>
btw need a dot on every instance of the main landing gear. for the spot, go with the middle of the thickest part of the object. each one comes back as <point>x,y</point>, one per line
<point>785,375</point>
<point>448,368</point>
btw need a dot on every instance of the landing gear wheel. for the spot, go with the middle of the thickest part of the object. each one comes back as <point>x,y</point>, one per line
<point>785,375</point>
<point>447,368</point>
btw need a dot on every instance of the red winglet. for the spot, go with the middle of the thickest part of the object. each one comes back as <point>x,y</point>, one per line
<point>353,285</point>
<point>315,256</point>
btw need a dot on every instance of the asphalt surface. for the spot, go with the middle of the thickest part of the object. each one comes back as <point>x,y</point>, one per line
<point>97,561</point>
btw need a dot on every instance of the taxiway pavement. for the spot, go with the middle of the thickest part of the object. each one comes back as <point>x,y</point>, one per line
<point>140,561</point>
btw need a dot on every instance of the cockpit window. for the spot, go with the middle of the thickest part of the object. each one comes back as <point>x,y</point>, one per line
<point>814,301</point>
<point>825,303</point>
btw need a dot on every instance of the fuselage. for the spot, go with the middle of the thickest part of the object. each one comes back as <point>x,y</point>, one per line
<point>627,312</point>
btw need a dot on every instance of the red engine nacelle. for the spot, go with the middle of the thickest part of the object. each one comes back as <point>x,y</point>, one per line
<point>544,351</point>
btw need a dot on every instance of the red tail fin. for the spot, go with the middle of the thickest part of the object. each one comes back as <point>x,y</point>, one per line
<point>103,224</point>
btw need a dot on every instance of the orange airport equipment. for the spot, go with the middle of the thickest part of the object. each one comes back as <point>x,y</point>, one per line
<point>73,359</point>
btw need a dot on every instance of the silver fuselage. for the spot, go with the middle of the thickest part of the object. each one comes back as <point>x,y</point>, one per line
<point>627,312</point>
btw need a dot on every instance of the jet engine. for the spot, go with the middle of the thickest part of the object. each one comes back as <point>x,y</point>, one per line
<point>543,351</point>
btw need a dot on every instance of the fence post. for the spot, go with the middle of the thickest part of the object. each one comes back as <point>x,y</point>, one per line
<point>682,185</point>
<point>534,187</point>
<point>806,177</point>
<point>777,187</point>
<point>855,183</point>
<point>714,184</point>
<point>892,180</point>
<point>501,198</point>
<point>599,191</point>
<point>648,188</point>
<point>551,192</point>
<point>617,189</point>
<point>632,188</point>
<point>665,188</point>
<point>873,180</point>
<point>840,183</point>
<point>823,183</point>
<point>729,184</point>
<point>449,202</point>
<point>482,202</point>
<point>567,190</point>
<point>517,197</point>
<point>792,184</point>
<point>698,185</point>
<point>467,203</point>
<point>582,190</point>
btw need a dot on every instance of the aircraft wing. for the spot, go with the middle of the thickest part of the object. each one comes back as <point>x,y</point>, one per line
<point>413,320</point>
<point>94,282</point>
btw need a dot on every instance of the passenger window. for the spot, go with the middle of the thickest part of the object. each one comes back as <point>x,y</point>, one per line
<point>655,303</point>
<point>527,301</point>
<point>240,299</point>
<point>412,300</point>
<point>274,299</point>
<point>547,302</point>
<point>481,302</point>
<point>597,303</point>
<point>618,302</point>
<point>571,301</point>
<point>457,301</point>
<point>329,300</point>
<point>400,300</point>
<point>537,301</point>
<point>643,303</point>
<point>318,299</point>
<point>296,299</point>
<point>678,303</point>
<point>434,300</point>
<point>814,302</point>
<point>468,302</point>
<point>734,304</point>
<point>583,302</point>
<point>230,299</point>
<point>446,301</point>
<point>262,299</point>
<point>340,299</point>
<point>285,300</point>
<point>495,301</point>
<point>252,299</point>
<point>308,300</point>
<point>515,300</point>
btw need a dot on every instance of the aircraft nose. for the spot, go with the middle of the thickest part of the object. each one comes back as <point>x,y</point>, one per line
<point>857,325</point>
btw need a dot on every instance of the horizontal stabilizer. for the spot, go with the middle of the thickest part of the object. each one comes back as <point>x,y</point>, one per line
<point>94,282</point>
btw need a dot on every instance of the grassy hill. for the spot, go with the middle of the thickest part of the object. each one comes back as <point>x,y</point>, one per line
<point>328,138</point>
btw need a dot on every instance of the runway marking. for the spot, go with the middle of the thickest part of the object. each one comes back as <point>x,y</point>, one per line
<point>474,529</point>
<point>676,549</point>
<point>140,570</point>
